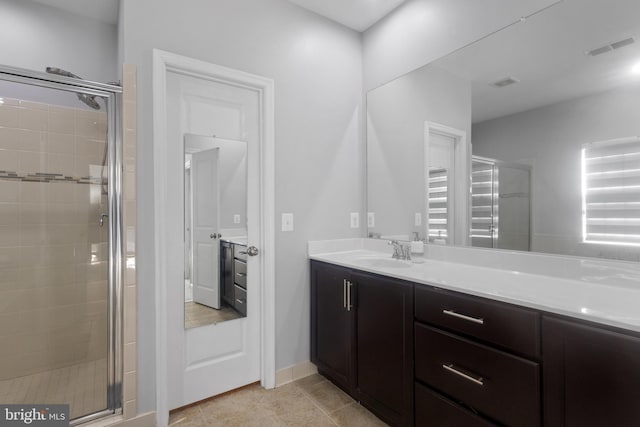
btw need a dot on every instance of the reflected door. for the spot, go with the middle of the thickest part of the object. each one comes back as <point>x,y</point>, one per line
<point>206,246</point>
<point>484,206</point>
<point>440,198</point>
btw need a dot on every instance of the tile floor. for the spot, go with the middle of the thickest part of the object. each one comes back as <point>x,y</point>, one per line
<point>83,386</point>
<point>312,401</point>
<point>198,315</point>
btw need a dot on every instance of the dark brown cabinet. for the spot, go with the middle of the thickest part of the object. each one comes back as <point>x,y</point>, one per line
<point>361,338</point>
<point>469,349</point>
<point>591,375</point>
<point>332,325</point>
<point>226,273</point>
<point>424,356</point>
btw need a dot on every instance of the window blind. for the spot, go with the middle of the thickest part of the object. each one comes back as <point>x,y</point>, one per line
<point>438,204</point>
<point>611,192</point>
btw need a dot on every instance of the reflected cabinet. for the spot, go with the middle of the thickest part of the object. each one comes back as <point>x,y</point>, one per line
<point>419,355</point>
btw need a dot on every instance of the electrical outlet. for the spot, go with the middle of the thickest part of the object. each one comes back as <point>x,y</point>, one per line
<point>355,220</point>
<point>236,219</point>
<point>287,222</point>
<point>418,220</point>
<point>371,219</point>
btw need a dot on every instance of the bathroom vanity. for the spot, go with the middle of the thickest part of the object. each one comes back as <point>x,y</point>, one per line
<point>434,342</point>
<point>233,273</point>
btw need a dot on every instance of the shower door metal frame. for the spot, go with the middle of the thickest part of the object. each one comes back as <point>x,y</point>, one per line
<point>113,97</point>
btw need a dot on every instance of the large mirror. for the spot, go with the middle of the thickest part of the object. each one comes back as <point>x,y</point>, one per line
<point>524,140</point>
<point>215,233</point>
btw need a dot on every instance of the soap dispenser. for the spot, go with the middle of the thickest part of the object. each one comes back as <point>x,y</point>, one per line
<point>417,247</point>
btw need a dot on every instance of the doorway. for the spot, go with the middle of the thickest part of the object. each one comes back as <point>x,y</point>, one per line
<point>196,97</point>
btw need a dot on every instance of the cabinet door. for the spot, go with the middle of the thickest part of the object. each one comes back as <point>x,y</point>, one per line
<point>331,324</point>
<point>591,375</point>
<point>384,337</point>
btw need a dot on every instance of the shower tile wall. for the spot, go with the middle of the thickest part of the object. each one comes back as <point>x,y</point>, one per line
<point>53,252</point>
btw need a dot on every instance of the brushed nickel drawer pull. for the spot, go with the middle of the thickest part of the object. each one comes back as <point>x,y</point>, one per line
<point>241,274</point>
<point>349,285</point>
<point>344,293</point>
<point>473,379</point>
<point>462,316</point>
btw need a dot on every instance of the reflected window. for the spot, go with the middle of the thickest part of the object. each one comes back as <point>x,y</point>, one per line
<point>611,192</point>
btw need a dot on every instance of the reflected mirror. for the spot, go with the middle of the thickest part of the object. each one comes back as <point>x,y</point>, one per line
<point>547,158</point>
<point>215,206</point>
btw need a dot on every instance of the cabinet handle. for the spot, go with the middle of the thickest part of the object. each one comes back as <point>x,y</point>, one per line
<point>241,274</point>
<point>344,293</point>
<point>473,378</point>
<point>462,316</point>
<point>239,301</point>
<point>349,285</point>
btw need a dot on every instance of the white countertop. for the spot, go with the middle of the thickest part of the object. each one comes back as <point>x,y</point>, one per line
<point>611,297</point>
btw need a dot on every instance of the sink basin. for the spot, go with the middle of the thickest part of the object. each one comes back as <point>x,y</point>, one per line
<point>380,262</point>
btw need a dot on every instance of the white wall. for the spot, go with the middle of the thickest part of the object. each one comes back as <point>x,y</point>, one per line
<point>550,138</point>
<point>421,31</point>
<point>396,116</point>
<point>317,69</point>
<point>35,36</point>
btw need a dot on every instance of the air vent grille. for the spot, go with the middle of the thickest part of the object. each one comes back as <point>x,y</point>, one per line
<point>610,47</point>
<point>507,81</point>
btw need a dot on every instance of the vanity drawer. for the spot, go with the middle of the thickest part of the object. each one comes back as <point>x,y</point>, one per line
<point>240,252</point>
<point>434,410</point>
<point>513,328</point>
<point>497,384</point>
<point>240,273</point>
<point>241,300</point>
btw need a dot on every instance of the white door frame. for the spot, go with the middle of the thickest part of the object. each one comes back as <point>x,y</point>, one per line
<point>461,180</point>
<point>164,62</point>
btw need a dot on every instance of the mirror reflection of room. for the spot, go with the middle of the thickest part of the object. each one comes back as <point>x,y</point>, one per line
<point>215,275</point>
<point>552,121</point>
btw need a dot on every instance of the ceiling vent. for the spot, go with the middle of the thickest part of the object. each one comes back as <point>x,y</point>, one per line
<point>507,81</point>
<point>610,47</point>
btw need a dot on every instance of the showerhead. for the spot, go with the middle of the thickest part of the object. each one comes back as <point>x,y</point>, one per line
<point>89,100</point>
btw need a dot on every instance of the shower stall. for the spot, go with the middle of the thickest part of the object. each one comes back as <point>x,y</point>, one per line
<point>60,242</point>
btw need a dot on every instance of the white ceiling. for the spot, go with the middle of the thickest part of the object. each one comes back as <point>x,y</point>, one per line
<point>547,54</point>
<point>356,14</point>
<point>102,10</point>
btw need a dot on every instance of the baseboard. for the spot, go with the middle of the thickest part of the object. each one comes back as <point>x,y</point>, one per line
<point>295,372</point>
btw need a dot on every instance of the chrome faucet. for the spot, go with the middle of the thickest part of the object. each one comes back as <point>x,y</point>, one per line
<point>401,250</point>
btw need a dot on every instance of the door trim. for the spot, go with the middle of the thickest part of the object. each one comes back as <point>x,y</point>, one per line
<point>461,187</point>
<point>164,62</point>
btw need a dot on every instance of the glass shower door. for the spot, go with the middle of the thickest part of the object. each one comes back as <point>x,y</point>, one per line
<point>56,317</point>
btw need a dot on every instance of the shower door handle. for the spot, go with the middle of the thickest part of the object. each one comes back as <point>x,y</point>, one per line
<point>102,217</point>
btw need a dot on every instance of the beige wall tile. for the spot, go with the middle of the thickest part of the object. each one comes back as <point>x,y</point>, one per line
<point>9,257</point>
<point>64,164</point>
<point>22,140</point>
<point>9,278</point>
<point>33,213</point>
<point>9,236</point>
<point>130,386</point>
<point>9,213</point>
<point>90,124</point>
<point>32,162</point>
<point>62,120</point>
<point>59,192</point>
<point>9,191</point>
<point>9,160</point>
<point>9,116</point>
<point>130,319</point>
<point>130,359</point>
<point>60,143</point>
<point>31,192</point>
<point>33,119</point>
<point>130,409</point>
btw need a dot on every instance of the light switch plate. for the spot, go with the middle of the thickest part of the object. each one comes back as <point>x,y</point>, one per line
<point>355,220</point>
<point>287,222</point>
<point>236,219</point>
<point>418,220</point>
<point>371,219</point>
